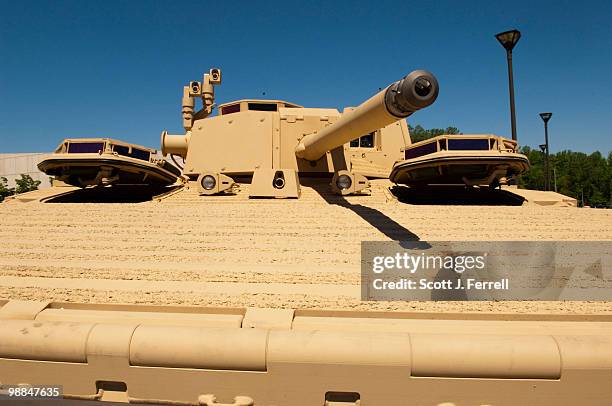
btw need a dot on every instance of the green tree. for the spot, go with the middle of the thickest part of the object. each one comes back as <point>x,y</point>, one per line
<point>26,184</point>
<point>418,133</point>
<point>5,191</point>
<point>577,175</point>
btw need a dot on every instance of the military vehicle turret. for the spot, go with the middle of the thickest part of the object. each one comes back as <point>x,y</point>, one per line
<point>277,142</point>
<point>274,140</point>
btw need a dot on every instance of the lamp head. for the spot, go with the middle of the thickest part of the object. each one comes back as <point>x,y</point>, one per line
<point>508,39</point>
<point>546,116</point>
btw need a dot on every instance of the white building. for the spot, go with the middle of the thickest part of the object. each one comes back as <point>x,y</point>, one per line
<point>13,165</point>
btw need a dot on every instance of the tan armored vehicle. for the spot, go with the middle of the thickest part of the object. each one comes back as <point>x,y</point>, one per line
<point>271,144</point>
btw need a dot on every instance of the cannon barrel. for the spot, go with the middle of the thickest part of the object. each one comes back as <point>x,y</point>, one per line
<point>417,90</point>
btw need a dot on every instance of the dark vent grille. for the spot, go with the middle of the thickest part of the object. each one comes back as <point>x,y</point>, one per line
<point>85,147</point>
<point>421,150</point>
<point>136,152</point>
<point>468,144</point>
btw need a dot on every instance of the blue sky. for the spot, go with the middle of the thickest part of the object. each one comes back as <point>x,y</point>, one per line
<point>116,69</point>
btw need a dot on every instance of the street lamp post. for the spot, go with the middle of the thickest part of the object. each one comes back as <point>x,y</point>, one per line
<point>508,39</point>
<point>545,118</point>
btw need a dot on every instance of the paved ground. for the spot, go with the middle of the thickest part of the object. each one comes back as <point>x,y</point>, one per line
<point>231,251</point>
